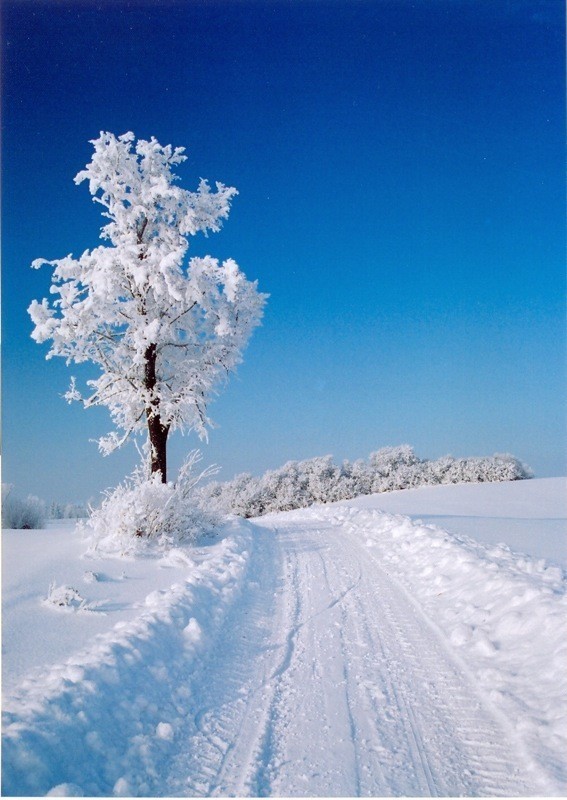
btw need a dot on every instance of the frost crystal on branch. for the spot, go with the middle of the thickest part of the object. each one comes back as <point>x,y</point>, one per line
<point>163,332</point>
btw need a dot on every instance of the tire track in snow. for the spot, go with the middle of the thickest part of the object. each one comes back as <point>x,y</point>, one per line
<point>357,620</point>
<point>240,748</point>
<point>429,747</point>
<point>266,761</point>
<point>347,669</point>
<point>229,747</point>
<point>439,708</point>
<point>316,749</point>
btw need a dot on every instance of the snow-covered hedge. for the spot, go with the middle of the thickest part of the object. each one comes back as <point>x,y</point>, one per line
<point>24,514</point>
<point>299,484</point>
<point>143,513</point>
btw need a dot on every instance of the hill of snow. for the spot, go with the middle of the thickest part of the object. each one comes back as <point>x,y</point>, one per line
<point>434,655</point>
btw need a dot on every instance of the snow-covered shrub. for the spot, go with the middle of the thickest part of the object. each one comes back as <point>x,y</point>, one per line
<point>143,513</point>
<point>284,489</point>
<point>499,467</point>
<point>323,479</point>
<point>299,484</point>
<point>67,598</point>
<point>394,468</point>
<point>387,460</point>
<point>62,596</point>
<point>506,467</point>
<point>23,514</point>
<point>356,479</point>
<point>232,497</point>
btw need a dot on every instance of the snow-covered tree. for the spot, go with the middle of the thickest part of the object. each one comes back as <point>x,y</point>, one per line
<point>163,332</point>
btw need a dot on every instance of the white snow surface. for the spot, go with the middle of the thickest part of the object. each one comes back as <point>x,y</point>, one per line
<point>340,650</point>
<point>527,515</point>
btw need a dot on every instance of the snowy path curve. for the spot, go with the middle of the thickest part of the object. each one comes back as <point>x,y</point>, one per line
<point>330,681</point>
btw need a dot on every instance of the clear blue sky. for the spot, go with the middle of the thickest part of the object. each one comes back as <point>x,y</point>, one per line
<point>400,168</point>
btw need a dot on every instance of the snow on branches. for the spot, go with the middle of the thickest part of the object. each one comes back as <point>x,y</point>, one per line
<point>164,333</point>
<point>145,515</point>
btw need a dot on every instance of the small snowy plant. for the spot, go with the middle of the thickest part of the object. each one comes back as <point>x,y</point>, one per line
<point>164,332</point>
<point>67,598</point>
<point>142,513</point>
<point>63,597</point>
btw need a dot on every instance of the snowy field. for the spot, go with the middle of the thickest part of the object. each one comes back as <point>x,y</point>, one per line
<point>529,516</point>
<point>336,650</point>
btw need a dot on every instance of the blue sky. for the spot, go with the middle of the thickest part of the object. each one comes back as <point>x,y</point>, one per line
<point>400,168</point>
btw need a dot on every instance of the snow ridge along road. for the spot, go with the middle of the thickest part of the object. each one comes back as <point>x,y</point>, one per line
<point>329,651</point>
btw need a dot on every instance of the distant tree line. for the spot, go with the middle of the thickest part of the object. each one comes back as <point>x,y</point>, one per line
<point>31,512</point>
<point>299,484</point>
<point>67,511</point>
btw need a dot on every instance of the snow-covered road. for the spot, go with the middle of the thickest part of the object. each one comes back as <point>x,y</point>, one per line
<point>332,682</point>
<point>331,651</point>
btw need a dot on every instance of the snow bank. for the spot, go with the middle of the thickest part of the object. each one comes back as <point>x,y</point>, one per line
<point>529,516</point>
<point>109,714</point>
<point>503,613</point>
<point>37,636</point>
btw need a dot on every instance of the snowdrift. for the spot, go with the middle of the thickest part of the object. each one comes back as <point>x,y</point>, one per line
<point>106,717</point>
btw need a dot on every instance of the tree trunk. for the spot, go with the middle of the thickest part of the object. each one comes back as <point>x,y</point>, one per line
<point>157,432</point>
<point>158,443</point>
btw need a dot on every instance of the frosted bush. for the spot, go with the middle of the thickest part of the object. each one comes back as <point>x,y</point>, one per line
<point>23,514</point>
<point>500,467</point>
<point>386,461</point>
<point>508,468</point>
<point>143,513</point>
<point>323,479</point>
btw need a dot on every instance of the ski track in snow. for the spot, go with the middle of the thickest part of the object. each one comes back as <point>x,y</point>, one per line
<point>296,664</point>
